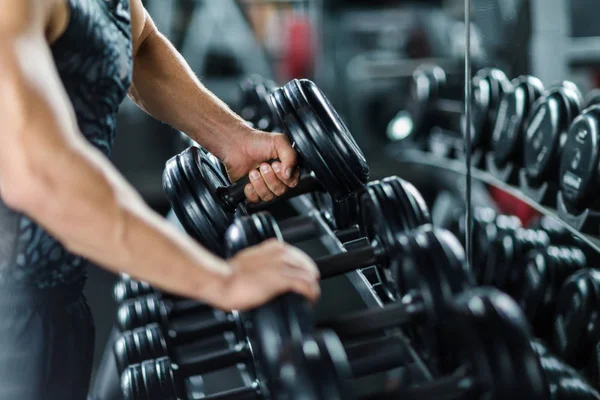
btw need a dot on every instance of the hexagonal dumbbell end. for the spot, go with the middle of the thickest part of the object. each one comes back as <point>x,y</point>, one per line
<point>151,380</point>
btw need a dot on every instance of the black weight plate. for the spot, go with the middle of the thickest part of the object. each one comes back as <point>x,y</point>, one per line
<point>576,303</point>
<point>320,141</point>
<point>425,88</point>
<point>168,385</point>
<point>334,360</point>
<point>547,122</point>
<point>325,204</point>
<point>383,219</point>
<point>172,182</point>
<point>493,337</point>
<point>413,197</point>
<point>202,179</point>
<point>325,138</point>
<point>198,211</point>
<point>338,131</point>
<point>297,135</point>
<point>489,85</point>
<point>435,269</point>
<point>508,132</point>
<point>579,161</point>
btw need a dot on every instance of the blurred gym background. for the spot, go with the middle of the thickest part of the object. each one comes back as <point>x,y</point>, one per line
<point>360,52</point>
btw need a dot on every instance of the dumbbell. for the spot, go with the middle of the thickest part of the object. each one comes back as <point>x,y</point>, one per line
<point>339,215</point>
<point>488,86</point>
<point>577,323</point>
<point>490,337</point>
<point>389,207</point>
<point>255,104</point>
<point>488,227</point>
<point>155,341</point>
<point>204,202</point>
<point>436,252</point>
<point>152,308</point>
<point>508,134</point>
<point>546,131</point>
<point>580,161</point>
<point>546,270</point>
<point>506,257</point>
<point>160,379</point>
<point>435,101</point>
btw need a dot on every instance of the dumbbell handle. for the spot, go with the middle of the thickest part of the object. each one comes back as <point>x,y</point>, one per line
<point>367,322</point>
<point>233,194</point>
<point>180,307</point>
<point>191,332</point>
<point>297,229</point>
<point>192,365</point>
<point>339,264</point>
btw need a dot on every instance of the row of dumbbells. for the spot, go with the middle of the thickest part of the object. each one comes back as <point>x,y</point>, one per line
<point>549,274</point>
<point>399,240</point>
<point>543,139</point>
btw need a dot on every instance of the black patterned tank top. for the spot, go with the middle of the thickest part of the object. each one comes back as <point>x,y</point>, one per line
<point>94,60</point>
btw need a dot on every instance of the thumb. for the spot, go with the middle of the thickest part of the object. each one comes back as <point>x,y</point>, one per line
<point>285,153</point>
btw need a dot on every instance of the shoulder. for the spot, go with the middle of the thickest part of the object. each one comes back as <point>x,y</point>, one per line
<point>23,16</point>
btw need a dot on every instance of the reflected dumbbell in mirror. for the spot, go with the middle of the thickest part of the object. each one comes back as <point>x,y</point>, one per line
<point>488,86</point>
<point>577,322</point>
<point>435,101</point>
<point>509,130</point>
<point>149,309</point>
<point>206,204</point>
<point>490,337</point>
<point>546,132</point>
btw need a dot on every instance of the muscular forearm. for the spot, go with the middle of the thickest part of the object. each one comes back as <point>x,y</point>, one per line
<point>52,174</point>
<point>166,87</point>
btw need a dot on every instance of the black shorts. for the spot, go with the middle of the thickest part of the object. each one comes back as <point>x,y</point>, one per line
<point>46,343</point>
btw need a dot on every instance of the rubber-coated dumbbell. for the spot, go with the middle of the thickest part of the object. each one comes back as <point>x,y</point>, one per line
<point>577,321</point>
<point>488,228</point>
<point>205,204</point>
<point>151,308</point>
<point>545,272</point>
<point>162,380</point>
<point>387,210</point>
<point>425,259</point>
<point>489,335</point>
<point>508,134</point>
<point>506,258</point>
<point>255,104</point>
<point>435,101</point>
<point>154,341</point>
<point>546,131</point>
<point>339,215</point>
<point>580,161</point>
<point>488,85</point>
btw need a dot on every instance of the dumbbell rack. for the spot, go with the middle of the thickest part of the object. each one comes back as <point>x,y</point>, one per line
<point>363,281</point>
<point>434,163</point>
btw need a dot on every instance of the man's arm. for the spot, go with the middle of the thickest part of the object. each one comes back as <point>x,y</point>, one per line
<point>165,86</point>
<point>52,174</point>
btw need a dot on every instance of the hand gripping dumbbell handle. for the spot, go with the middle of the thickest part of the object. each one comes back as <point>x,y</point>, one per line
<point>367,322</point>
<point>201,330</point>
<point>200,364</point>
<point>233,194</point>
